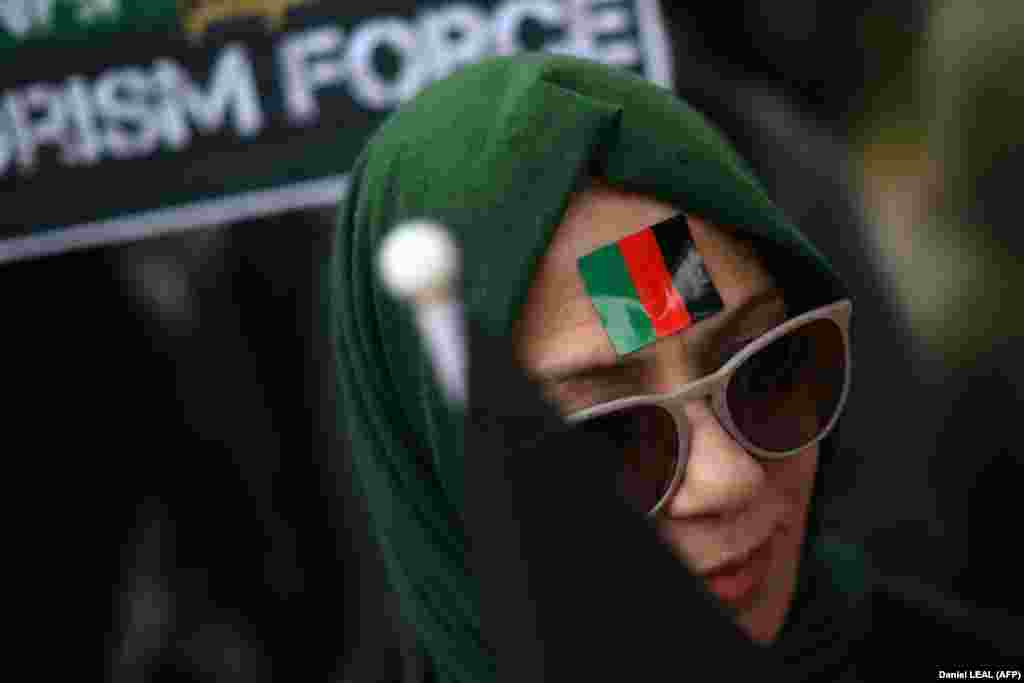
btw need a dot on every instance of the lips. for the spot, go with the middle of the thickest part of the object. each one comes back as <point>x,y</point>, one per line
<point>735,580</point>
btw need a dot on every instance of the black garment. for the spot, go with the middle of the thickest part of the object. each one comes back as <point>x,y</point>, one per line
<point>977,467</point>
<point>574,583</point>
<point>591,592</point>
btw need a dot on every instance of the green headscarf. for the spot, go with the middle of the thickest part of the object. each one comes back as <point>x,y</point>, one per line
<point>494,152</point>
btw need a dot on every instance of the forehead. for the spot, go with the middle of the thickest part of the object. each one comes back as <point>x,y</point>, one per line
<point>559,322</point>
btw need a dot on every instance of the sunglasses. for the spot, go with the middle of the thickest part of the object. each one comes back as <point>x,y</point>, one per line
<point>781,393</point>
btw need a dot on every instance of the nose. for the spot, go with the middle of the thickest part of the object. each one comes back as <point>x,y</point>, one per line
<point>721,477</point>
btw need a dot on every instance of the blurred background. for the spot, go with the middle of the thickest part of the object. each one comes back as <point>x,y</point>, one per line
<point>169,172</point>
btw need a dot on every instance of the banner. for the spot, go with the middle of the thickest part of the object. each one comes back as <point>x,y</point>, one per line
<point>121,119</point>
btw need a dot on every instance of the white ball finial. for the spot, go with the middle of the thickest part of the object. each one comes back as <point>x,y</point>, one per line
<point>419,261</point>
<point>418,258</point>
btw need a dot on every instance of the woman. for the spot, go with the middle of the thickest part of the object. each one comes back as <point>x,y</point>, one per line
<point>738,520</point>
<point>542,166</point>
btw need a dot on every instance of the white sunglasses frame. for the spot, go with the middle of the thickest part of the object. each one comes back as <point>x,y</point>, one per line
<point>716,386</point>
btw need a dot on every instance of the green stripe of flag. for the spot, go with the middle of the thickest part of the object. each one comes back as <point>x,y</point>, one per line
<point>613,294</point>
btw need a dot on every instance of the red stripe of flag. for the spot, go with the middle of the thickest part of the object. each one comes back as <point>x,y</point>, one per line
<point>659,296</point>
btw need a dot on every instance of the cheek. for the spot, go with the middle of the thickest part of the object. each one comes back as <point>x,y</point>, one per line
<point>792,483</point>
<point>792,480</point>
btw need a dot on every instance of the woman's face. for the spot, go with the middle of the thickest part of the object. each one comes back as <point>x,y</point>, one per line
<point>738,521</point>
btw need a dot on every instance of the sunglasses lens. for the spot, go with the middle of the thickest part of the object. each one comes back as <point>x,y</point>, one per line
<point>785,395</point>
<point>647,439</point>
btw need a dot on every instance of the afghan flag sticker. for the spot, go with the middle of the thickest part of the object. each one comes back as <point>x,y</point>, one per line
<point>649,285</point>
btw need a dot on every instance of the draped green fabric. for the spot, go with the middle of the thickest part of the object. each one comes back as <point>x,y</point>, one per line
<point>494,153</point>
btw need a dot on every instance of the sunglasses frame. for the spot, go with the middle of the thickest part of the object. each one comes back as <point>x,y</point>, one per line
<point>716,387</point>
